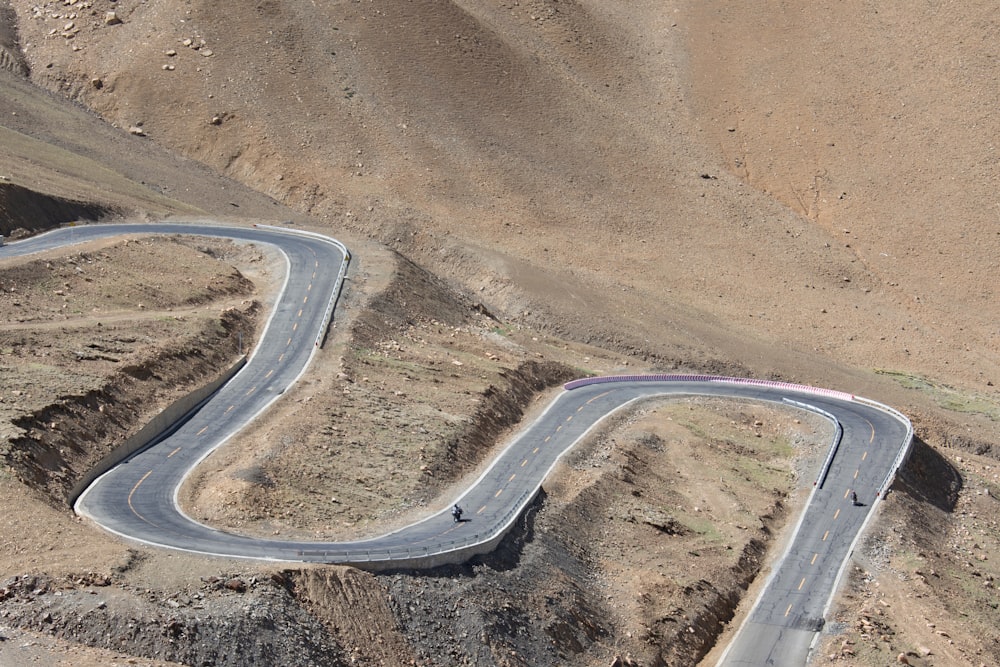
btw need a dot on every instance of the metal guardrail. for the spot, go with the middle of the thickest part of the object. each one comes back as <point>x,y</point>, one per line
<point>904,452</point>
<point>341,275</point>
<point>569,386</point>
<point>440,553</point>
<point>835,447</point>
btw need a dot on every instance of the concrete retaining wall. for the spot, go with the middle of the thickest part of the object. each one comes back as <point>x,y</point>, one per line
<point>162,424</point>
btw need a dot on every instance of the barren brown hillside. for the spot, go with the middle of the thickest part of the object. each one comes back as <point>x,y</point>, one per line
<point>805,191</point>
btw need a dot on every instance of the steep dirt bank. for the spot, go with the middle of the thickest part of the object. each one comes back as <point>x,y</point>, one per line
<point>225,621</point>
<point>23,212</point>
<point>11,58</point>
<point>124,345</point>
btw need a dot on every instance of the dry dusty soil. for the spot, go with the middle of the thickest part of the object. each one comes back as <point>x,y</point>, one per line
<point>532,190</point>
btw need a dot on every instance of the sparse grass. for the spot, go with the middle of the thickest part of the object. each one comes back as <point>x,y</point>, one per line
<point>696,430</point>
<point>376,360</point>
<point>945,396</point>
<point>775,447</point>
<point>703,526</point>
<point>763,475</point>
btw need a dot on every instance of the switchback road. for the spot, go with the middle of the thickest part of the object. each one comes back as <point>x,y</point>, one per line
<point>138,498</point>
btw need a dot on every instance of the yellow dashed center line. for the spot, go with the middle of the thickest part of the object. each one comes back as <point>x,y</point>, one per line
<point>570,418</point>
<point>282,357</point>
<point>300,313</point>
<point>825,535</point>
<point>252,390</point>
<point>289,342</point>
<point>788,610</point>
<point>230,408</point>
<point>173,452</point>
<point>511,478</point>
<point>305,298</point>
<point>802,583</point>
<point>269,374</point>
<point>202,431</point>
<point>871,439</point>
<point>559,428</point>
<point>295,326</point>
<point>847,493</point>
<point>524,463</point>
<point>310,288</point>
<point>535,450</point>
<point>856,474</point>
<point>132,493</point>
<point>864,456</point>
<point>813,561</point>
<point>497,494</point>
<point>547,438</point>
<point>480,510</point>
<point>597,397</point>
<point>837,513</point>
<point>580,409</point>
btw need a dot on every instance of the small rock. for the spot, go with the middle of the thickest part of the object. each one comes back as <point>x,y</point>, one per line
<point>111,18</point>
<point>137,131</point>
<point>236,585</point>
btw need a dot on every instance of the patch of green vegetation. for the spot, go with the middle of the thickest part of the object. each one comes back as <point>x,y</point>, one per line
<point>696,429</point>
<point>763,475</point>
<point>778,447</point>
<point>945,396</point>
<point>702,526</point>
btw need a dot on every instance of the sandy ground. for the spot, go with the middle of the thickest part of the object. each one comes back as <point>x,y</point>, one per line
<point>803,194</point>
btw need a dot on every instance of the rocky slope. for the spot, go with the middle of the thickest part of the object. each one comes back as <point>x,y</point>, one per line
<point>759,190</point>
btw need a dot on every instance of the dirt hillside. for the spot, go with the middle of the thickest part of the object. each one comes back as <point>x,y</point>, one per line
<point>803,193</point>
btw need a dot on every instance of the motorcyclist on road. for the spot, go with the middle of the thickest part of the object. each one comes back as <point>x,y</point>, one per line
<point>456,512</point>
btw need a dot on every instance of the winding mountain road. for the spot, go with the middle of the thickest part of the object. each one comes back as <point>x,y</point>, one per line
<point>138,498</point>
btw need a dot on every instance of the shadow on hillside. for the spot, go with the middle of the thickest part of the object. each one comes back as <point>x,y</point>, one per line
<point>928,477</point>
